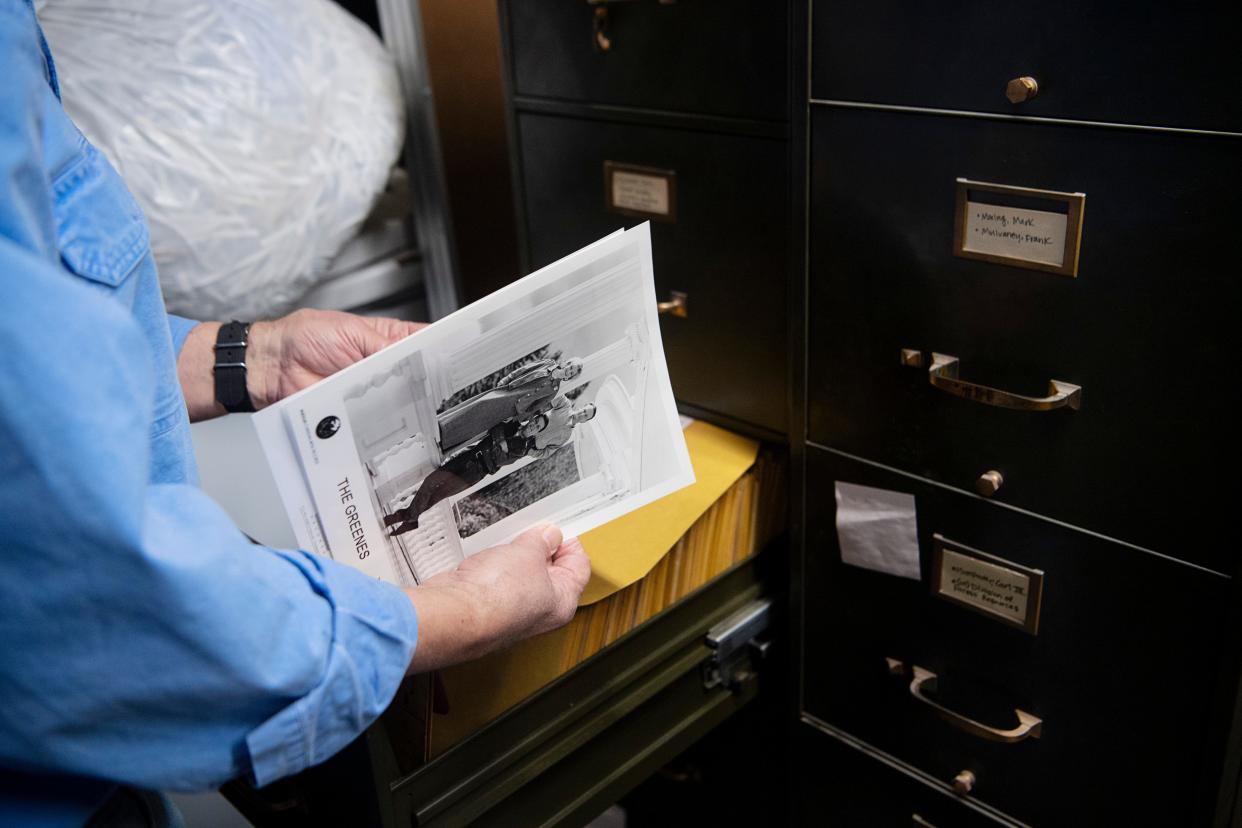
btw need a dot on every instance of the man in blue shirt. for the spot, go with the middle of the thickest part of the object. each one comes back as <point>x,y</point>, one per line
<point>144,641</point>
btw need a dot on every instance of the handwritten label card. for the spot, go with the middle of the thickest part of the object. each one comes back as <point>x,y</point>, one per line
<point>985,585</point>
<point>1015,233</point>
<point>1018,226</point>
<point>645,193</point>
<point>988,584</point>
<point>640,191</point>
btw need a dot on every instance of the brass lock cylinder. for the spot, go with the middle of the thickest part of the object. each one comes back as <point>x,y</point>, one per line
<point>989,483</point>
<point>1021,90</point>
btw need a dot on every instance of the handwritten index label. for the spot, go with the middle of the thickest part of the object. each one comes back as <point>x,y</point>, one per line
<point>988,584</point>
<point>640,191</point>
<point>1015,233</point>
<point>985,585</point>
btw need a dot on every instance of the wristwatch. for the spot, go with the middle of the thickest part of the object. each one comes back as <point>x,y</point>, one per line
<point>230,367</point>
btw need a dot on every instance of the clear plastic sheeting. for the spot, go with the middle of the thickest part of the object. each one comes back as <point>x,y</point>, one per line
<point>256,134</point>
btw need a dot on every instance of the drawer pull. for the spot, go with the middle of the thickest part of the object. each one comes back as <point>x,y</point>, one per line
<point>599,25</point>
<point>599,30</point>
<point>1029,727</point>
<point>943,373</point>
<point>675,306</point>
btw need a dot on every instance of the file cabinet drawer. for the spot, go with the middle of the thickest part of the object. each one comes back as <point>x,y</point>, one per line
<point>1140,329</point>
<point>844,787</point>
<point>1148,63</point>
<point>725,247</point>
<point>724,57</point>
<point>1120,672</point>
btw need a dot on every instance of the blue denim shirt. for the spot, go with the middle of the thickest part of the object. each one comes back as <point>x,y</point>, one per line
<point>143,639</point>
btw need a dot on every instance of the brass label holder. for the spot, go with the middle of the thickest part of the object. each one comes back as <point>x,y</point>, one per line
<point>1018,226</point>
<point>999,589</point>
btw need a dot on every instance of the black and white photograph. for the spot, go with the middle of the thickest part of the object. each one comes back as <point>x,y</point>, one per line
<point>548,401</point>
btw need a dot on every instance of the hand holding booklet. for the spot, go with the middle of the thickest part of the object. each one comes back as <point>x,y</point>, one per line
<point>547,401</point>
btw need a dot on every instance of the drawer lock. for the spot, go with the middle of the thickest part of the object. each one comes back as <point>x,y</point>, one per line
<point>738,635</point>
<point>1021,90</point>
<point>989,483</point>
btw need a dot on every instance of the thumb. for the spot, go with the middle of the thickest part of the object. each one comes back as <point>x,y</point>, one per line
<point>572,564</point>
<point>545,538</point>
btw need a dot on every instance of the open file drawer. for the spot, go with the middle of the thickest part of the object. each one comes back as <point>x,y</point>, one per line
<point>523,736</point>
<point>563,755</point>
<point>1120,671</point>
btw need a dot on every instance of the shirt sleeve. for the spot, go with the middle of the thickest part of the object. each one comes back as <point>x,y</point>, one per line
<point>180,328</point>
<point>143,638</point>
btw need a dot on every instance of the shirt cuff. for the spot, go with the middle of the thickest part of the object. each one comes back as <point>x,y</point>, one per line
<point>180,328</point>
<point>374,631</point>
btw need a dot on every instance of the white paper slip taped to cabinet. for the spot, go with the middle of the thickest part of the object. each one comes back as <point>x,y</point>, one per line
<point>878,530</point>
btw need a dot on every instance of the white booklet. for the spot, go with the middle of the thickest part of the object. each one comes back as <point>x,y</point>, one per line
<point>547,401</point>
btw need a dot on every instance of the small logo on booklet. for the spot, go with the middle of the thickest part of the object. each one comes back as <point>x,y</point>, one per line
<point>327,427</point>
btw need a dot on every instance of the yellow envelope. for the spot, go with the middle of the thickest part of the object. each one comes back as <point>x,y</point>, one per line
<point>621,552</point>
<point>624,550</point>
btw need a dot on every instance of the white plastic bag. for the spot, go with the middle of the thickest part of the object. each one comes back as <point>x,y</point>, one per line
<point>256,134</point>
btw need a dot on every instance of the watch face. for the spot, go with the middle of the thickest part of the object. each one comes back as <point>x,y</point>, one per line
<point>327,427</point>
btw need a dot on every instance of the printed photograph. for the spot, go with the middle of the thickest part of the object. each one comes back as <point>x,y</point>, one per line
<point>533,412</point>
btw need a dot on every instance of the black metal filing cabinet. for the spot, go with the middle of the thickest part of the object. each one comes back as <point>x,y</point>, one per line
<point>677,113</point>
<point>1020,273</point>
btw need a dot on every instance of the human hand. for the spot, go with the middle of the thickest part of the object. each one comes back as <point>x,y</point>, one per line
<point>498,596</point>
<point>284,355</point>
<point>288,354</point>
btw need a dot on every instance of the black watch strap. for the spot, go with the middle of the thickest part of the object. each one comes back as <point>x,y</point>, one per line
<point>230,369</point>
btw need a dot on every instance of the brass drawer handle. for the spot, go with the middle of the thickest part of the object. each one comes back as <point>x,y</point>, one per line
<point>1029,726</point>
<point>943,373</point>
<point>599,30</point>
<point>675,306</point>
<point>600,39</point>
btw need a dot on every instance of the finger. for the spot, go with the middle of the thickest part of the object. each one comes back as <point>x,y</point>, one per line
<point>392,329</point>
<point>545,538</point>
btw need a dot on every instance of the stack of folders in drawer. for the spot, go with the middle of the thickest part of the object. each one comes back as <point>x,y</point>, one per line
<point>729,532</point>
<point>642,563</point>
